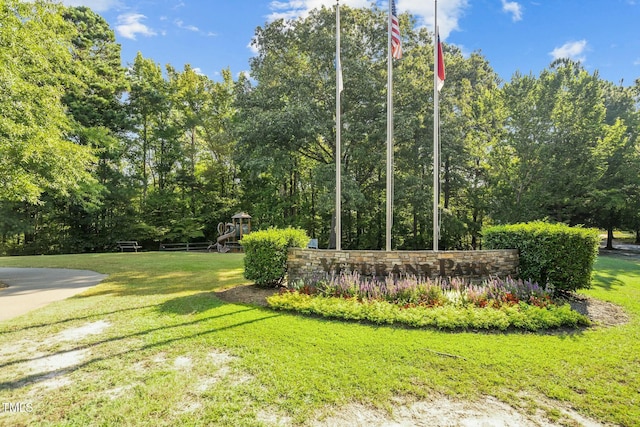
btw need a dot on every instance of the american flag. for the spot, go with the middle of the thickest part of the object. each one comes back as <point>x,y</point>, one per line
<point>396,43</point>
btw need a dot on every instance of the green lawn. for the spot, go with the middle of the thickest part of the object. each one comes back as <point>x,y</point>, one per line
<point>168,352</point>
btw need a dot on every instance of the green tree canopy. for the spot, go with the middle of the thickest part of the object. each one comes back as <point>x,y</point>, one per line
<point>36,154</point>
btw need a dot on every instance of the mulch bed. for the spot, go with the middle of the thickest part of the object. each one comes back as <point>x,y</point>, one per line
<point>247,294</point>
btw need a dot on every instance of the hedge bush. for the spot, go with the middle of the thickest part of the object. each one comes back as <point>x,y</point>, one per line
<point>557,254</point>
<point>265,259</point>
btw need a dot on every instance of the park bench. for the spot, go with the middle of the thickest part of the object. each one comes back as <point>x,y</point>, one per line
<point>128,245</point>
<point>196,246</point>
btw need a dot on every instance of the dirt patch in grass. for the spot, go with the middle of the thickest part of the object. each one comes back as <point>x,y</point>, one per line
<point>57,362</point>
<point>118,392</point>
<point>272,417</point>
<point>445,412</point>
<point>77,334</point>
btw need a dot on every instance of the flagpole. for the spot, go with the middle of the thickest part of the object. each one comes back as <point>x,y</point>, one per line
<point>436,135</point>
<point>338,134</point>
<point>389,221</point>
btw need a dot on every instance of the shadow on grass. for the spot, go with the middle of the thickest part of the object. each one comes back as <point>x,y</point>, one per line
<point>139,283</point>
<point>41,376</point>
<point>191,304</point>
<point>133,335</point>
<point>610,269</point>
<point>11,329</point>
<point>607,280</point>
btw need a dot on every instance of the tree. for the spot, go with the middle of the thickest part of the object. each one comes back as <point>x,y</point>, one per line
<point>288,126</point>
<point>618,197</point>
<point>202,113</point>
<point>182,149</point>
<point>472,122</point>
<point>99,213</point>
<point>155,147</point>
<point>288,121</point>
<point>287,116</point>
<point>38,160</point>
<point>95,99</point>
<point>35,155</point>
<point>545,165</point>
<point>617,181</point>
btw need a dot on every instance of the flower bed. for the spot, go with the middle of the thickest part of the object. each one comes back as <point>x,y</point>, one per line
<point>441,303</point>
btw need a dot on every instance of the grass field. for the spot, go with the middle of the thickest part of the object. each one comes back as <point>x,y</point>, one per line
<point>152,345</point>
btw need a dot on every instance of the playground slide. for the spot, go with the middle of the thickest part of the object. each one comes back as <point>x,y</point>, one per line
<point>229,232</point>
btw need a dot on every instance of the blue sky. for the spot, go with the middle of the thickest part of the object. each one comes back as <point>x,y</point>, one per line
<point>514,35</point>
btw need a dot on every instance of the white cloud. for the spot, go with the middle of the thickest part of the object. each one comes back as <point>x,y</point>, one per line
<point>253,47</point>
<point>129,25</point>
<point>571,50</point>
<point>291,9</point>
<point>95,5</point>
<point>449,12</point>
<point>181,24</point>
<point>514,8</point>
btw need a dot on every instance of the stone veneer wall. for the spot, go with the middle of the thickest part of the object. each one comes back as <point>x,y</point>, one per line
<point>475,265</point>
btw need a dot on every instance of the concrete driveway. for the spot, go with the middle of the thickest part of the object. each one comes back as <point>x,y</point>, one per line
<point>31,288</point>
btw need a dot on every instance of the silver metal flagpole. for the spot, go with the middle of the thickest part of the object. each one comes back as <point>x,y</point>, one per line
<point>389,136</point>
<point>436,135</point>
<point>338,134</point>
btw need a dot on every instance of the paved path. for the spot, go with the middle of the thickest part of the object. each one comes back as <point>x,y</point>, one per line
<point>31,288</point>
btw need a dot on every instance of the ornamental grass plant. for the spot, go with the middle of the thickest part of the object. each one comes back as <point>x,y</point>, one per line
<point>454,304</point>
<point>411,290</point>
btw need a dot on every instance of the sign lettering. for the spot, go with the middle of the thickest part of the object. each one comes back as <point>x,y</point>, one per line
<point>443,267</point>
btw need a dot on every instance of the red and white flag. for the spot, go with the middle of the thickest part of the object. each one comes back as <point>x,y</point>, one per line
<point>396,43</point>
<point>441,73</point>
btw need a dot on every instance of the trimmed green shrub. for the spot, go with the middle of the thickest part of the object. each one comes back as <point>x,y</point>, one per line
<point>557,254</point>
<point>265,259</point>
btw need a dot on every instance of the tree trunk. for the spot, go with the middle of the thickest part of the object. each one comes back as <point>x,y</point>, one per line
<point>415,229</point>
<point>474,239</point>
<point>312,229</point>
<point>332,234</point>
<point>609,237</point>
<point>447,185</point>
<point>145,144</point>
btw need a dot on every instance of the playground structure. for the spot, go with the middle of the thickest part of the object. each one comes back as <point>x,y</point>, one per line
<point>230,234</point>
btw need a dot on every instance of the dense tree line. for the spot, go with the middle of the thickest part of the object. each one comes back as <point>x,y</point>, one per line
<point>92,152</point>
